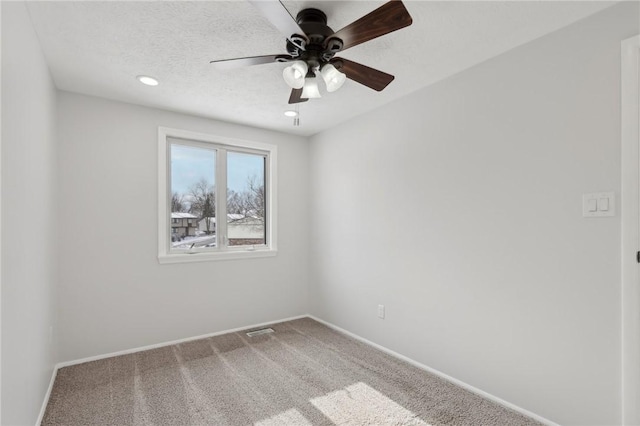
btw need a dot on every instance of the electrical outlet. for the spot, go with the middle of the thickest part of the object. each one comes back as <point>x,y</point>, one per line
<point>381,311</point>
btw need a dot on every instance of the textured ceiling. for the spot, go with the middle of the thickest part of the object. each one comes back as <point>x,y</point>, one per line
<point>98,48</point>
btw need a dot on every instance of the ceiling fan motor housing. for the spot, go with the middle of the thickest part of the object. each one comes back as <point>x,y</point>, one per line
<point>320,47</point>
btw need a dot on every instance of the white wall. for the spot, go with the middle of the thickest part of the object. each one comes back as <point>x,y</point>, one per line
<point>29,222</point>
<point>459,208</point>
<point>114,294</point>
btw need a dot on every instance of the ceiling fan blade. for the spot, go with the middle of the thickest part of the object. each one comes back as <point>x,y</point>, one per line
<point>387,18</point>
<point>370,77</point>
<point>280,18</point>
<point>228,64</point>
<point>295,97</point>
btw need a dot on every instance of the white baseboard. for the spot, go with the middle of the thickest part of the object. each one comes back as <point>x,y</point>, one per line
<point>328,324</point>
<point>47,395</point>
<point>173,342</point>
<point>145,348</point>
<point>453,380</point>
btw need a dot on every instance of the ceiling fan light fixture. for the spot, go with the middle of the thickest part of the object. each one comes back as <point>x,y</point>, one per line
<point>310,89</point>
<point>291,113</point>
<point>311,45</point>
<point>294,74</point>
<point>333,78</point>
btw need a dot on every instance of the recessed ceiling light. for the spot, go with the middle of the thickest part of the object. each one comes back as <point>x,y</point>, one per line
<point>149,81</point>
<point>291,113</point>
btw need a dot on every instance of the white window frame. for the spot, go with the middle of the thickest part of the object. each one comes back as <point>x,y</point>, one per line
<point>221,251</point>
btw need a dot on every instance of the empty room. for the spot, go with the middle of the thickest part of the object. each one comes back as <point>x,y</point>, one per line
<point>263,212</point>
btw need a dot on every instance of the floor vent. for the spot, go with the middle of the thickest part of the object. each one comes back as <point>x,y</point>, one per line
<point>261,331</point>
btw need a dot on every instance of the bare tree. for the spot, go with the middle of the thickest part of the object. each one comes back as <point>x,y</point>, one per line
<point>250,202</point>
<point>256,197</point>
<point>208,211</point>
<point>235,202</point>
<point>203,202</point>
<point>178,203</point>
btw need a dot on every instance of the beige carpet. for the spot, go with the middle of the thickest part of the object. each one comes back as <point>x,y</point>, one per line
<point>303,374</point>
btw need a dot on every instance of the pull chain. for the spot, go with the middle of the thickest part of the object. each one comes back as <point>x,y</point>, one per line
<point>296,119</point>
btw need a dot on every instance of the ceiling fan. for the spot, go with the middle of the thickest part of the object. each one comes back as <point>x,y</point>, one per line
<point>312,46</point>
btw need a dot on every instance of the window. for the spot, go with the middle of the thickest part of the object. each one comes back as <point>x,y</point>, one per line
<point>216,197</point>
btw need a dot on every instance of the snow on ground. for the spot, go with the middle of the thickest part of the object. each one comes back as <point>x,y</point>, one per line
<point>196,241</point>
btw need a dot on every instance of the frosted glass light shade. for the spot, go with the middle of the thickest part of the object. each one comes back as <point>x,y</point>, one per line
<point>310,89</point>
<point>333,78</point>
<point>294,74</point>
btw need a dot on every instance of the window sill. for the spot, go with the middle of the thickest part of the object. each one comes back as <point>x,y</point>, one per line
<point>208,257</point>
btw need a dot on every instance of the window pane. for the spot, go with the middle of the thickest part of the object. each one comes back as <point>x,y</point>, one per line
<point>193,217</point>
<point>245,199</point>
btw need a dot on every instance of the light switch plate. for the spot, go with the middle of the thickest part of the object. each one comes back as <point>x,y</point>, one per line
<point>381,311</point>
<point>604,203</point>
